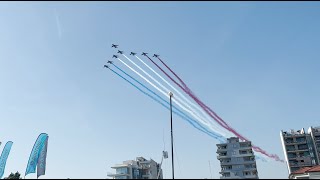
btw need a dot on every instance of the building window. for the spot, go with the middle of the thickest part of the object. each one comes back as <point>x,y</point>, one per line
<point>123,170</point>
<point>120,177</point>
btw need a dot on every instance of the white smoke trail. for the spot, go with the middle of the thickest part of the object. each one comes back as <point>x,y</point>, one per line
<point>167,90</point>
<point>186,99</point>
<point>181,106</point>
<point>205,115</point>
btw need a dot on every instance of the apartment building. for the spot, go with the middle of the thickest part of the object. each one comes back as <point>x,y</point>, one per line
<point>301,148</point>
<point>237,160</point>
<point>137,169</point>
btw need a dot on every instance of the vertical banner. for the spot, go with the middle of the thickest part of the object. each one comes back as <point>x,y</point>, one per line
<point>35,153</point>
<point>41,166</point>
<point>4,157</point>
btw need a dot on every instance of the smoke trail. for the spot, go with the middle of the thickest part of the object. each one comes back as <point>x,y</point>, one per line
<point>190,112</point>
<point>192,94</point>
<point>179,113</point>
<point>220,123</point>
<point>219,120</point>
<point>258,149</point>
<point>188,89</point>
<point>194,105</point>
<point>176,97</point>
<point>174,73</point>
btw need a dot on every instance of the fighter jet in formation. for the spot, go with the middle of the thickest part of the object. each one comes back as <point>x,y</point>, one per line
<point>106,66</point>
<point>144,54</point>
<point>115,46</point>
<point>132,53</point>
<point>110,62</point>
<point>121,52</point>
<point>155,55</point>
<point>114,56</point>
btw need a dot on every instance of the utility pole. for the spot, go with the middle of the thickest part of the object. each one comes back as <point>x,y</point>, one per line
<point>171,94</point>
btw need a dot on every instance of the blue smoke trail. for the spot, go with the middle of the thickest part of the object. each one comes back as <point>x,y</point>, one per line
<point>181,114</point>
<point>186,116</point>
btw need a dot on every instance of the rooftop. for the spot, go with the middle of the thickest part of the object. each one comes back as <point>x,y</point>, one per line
<point>307,170</point>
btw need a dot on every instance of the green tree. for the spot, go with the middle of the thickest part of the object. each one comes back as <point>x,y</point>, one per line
<point>14,176</point>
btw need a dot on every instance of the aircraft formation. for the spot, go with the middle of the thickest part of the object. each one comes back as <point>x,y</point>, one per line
<point>212,125</point>
<point>121,52</point>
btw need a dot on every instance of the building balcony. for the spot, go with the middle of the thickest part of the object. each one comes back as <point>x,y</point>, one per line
<point>246,154</point>
<point>300,164</point>
<point>226,163</point>
<point>302,149</point>
<point>229,177</point>
<point>115,174</point>
<point>288,135</point>
<point>225,171</point>
<point>291,150</point>
<point>245,148</point>
<point>297,142</point>
<point>248,161</point>
<point>251,176</point>
<point>221,150</point>
<point>250,169</point>
<point>222,156</point>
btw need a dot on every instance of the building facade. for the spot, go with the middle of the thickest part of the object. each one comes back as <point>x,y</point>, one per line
<point>137,169</point>
<point>237,160</point>
<point>315,135</point>
<point>301,149</point>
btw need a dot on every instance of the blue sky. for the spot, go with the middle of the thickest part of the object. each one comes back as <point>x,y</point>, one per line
<point>254,63</point>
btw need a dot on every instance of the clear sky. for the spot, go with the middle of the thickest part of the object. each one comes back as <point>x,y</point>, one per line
<point>256,64</point>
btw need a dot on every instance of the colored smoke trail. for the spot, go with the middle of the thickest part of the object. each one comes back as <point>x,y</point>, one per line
<point>194,105</point>
<point>179,113</point>
<point>189,90</point>
<point>174,100</point>
<point>180,94</point>
<point>176,111</point>
<point>176,97</point>
<point>200,103</point>
<point>206,108</point>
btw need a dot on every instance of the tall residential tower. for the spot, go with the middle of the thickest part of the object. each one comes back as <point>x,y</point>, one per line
<point>237,160</point>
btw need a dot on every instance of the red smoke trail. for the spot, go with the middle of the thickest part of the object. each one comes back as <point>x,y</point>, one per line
<point>193,97</point>
<point>206,108</point>
<point>184,84</point>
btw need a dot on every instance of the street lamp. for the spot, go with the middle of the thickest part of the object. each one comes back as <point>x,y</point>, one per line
<point>171,95</point>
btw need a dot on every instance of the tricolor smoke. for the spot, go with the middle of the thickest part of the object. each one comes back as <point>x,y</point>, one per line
<point>176,111</point>
<point>175,100</point>
<point>202,117</point>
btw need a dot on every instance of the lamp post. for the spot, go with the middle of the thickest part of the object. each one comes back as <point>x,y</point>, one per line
<point>171,94</point>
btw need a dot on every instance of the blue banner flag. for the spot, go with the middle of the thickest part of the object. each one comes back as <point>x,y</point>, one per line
<point>4,157</point>
<point>35,153</point>
<point>41,167</point>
